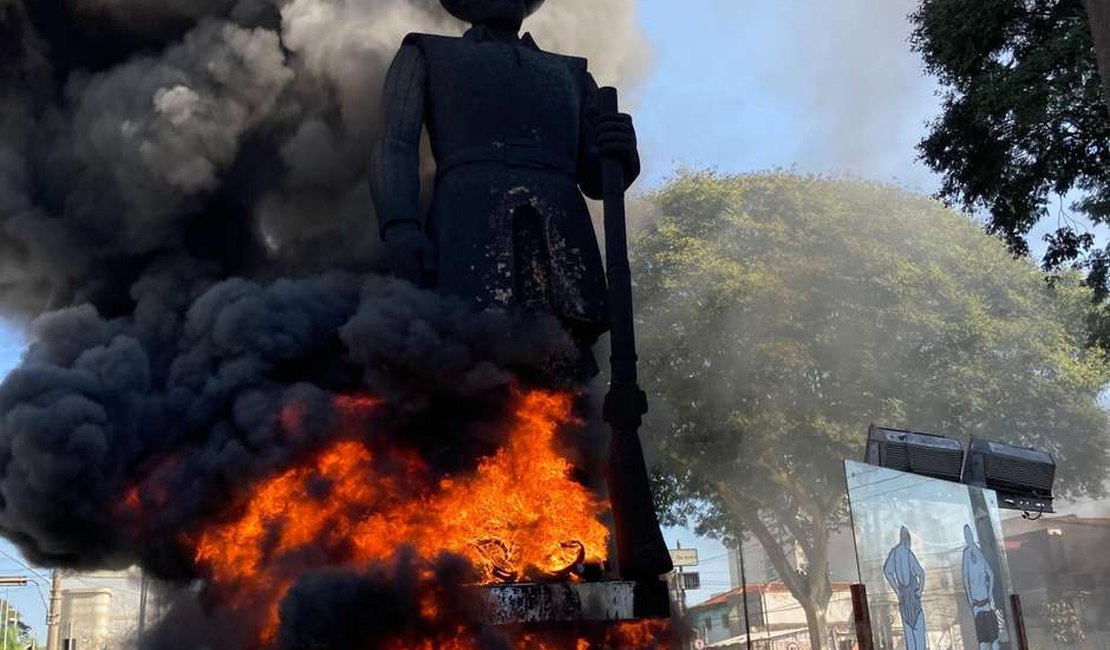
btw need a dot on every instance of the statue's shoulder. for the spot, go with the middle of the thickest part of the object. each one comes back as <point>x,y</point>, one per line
<point>573,62</point>
<point>417,38</point>
<point>576,62</point>
<point>427,41</point>
<point>439,41</point>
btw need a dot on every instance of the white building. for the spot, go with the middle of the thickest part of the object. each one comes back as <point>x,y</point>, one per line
<point>100,610</point>
<point>758,567</point>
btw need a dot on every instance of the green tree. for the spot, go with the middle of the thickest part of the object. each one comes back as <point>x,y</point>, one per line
<point>17,636</point>
<point>781,315</point>
<point>1025,117</point>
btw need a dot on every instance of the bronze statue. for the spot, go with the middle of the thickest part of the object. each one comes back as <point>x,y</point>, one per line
<point>518,136</point>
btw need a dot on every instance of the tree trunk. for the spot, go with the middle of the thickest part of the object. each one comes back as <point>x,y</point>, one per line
<point>812,591</point>
<point>1098,14</point>
<point>812,588</point>
<point>818,623</point>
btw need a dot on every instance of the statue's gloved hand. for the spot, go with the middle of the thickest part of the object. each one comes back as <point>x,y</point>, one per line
<point>615,135</point>
<point>411,255</point>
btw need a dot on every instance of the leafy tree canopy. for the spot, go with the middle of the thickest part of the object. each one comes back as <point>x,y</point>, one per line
<point>781,315</point>
<point>1023,120</point>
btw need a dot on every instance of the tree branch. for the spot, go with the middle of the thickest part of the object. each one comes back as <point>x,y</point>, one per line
<point>748,515</point>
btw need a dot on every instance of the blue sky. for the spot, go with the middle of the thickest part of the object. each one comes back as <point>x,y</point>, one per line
<point>741,85</point>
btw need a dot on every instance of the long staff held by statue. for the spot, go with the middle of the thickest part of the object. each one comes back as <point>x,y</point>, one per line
<point>641,552</point>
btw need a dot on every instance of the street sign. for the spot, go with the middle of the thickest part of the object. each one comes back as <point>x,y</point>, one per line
<point>691,581</point>
<point>684,556</point>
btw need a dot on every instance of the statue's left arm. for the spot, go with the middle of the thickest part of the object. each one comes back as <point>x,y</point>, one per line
<point>600,135</point>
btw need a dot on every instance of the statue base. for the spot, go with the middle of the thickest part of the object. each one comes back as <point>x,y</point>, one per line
<point>564,602</point>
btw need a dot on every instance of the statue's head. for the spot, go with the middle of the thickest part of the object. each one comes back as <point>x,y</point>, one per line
<point>492,13</point>
<point>904,535</point>
<point>969,536</point>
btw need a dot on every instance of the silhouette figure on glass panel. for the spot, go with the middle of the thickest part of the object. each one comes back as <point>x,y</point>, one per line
<point>906,577</point>
<point>979,588</point>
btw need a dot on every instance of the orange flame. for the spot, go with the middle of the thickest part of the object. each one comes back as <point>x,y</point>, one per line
<point>519,515</point>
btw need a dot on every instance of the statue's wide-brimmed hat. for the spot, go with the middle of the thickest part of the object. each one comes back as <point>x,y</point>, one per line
<point>463,9</point>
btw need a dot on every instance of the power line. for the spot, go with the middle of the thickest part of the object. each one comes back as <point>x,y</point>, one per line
<point>23,564</point>
<point>72,576</point>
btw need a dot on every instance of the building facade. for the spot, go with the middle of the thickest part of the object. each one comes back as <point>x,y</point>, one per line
<point>100,610</point>
<point>1061,569</point>
<point>777,620</point>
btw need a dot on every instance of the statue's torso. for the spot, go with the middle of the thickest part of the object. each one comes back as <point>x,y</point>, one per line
<point>504,122</point>
<point>485,93</point>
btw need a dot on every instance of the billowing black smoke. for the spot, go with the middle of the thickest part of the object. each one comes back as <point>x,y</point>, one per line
<point>91,405</point>
<point>186,230</point>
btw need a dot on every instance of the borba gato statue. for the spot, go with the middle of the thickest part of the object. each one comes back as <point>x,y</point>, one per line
<point>517,140</point>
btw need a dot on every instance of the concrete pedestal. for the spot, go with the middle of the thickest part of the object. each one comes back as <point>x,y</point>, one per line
<point>529,603</point>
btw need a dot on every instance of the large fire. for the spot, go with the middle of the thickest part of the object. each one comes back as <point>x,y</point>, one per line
<point>352,505</point>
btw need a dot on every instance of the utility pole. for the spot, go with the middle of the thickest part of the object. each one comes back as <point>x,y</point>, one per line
<point>744,594</point>
<point>54,615</point>
<point>681,584</point>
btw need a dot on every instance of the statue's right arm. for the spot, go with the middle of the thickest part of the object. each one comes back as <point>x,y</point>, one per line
<point>395,162</point>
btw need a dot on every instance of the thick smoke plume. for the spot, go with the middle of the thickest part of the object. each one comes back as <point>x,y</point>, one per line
<point>230,132</point>
<point>187,232</point>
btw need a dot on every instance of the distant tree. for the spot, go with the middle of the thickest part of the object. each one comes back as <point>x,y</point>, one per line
<point>781,315</point>
<point>18,636</point>
<point>1025,118</point>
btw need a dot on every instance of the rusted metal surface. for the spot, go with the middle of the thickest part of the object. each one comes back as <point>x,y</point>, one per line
<point>862,612</point>
<point>525,603</point>
<point>1019,622</point>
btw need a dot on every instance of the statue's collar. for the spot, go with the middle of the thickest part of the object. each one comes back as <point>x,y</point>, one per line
<point>482,33</point>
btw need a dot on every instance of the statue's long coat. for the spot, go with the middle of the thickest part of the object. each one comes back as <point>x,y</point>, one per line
<point>509,126</point>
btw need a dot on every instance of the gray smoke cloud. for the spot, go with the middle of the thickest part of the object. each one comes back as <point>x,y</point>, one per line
<point>849,70</point>
<point>186,228</point>
<point>130,128</point>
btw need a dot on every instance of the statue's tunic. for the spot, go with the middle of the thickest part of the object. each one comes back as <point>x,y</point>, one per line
<point>508,126</point>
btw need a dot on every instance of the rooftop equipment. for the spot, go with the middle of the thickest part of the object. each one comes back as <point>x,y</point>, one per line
<point>924,454</point>
<point>1022,477</point>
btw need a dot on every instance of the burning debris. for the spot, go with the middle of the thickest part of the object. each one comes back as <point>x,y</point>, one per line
<point>473,484</point>
<point>518,516</point>
<point>222,387</point>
